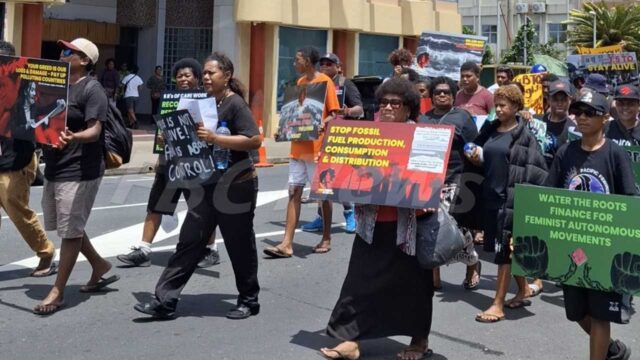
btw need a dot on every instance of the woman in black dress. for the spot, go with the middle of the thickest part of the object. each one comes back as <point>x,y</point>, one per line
<point>385,293</point>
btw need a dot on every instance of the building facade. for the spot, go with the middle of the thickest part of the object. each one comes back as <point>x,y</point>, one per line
<point>261,37</point>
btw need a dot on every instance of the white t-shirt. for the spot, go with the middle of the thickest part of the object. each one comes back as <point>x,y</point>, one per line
<point>132,86</point>
<point>492,89</point>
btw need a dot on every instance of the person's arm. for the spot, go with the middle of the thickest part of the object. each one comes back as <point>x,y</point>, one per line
<point>246,135</point>
<point>353,101</point>
<point>90,134</point>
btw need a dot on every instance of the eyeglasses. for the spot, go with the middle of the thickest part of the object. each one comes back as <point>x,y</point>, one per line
<point>395,103</point>
<point>437,92</point>
<point>587,111</point>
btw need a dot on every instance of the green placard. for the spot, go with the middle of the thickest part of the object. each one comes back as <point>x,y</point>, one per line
<point>577,238</point>
<point>634,151</point>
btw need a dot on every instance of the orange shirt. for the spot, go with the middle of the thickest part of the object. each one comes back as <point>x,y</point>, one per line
<point>307,150</point>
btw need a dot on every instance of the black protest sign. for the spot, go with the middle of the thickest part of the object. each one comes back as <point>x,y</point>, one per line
<point>169,103</point>
<point>189,160</point>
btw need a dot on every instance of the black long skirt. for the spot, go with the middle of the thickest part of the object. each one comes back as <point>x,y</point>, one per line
<point>385,292</point>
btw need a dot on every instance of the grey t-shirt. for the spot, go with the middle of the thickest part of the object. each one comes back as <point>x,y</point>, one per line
<point>78,161</point>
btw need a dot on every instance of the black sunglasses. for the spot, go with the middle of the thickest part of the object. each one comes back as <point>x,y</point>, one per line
<point>437,92</point>
<point>395,103</point>
<point>589,112</point>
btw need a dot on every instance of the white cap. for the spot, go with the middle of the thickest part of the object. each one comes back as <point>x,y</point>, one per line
<point>83,45</point>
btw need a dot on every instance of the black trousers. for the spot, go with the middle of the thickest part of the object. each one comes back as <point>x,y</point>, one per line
<point>155,106</point>
<point>231,207</point>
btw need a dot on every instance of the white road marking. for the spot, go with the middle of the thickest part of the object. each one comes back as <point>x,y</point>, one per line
<point>108,207</point>
<point>118,241</point>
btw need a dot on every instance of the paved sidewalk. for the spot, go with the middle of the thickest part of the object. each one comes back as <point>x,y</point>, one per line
<point>143,159</point>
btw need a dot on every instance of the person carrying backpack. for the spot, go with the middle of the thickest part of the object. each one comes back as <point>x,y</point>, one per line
<point>73,173</point>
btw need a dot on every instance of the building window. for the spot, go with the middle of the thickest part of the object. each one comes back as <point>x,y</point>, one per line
<point>557,33</point>
<point>374,53</point>
<point>491,33</point>
<point>184,42</point>
<point>290,40</point>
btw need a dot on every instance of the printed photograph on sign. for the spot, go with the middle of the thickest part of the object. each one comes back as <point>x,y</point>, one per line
<point>34,99</point>
<point>442,54</point>
<point>301,114</point>
<point>402,165</point>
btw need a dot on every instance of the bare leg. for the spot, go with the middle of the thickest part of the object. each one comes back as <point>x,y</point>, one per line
<point>437,283</point>
<point>151,225</point>
<point>327,214</point>
<point>502,286</point>
<point>100,266</point>
<point>599,339</point>
<point>344,350</point>
<point>524,291</point>
<point>69,250</point>
<point>293,215</point>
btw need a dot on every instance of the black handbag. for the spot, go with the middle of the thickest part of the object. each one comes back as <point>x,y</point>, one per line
<point>438,239</point>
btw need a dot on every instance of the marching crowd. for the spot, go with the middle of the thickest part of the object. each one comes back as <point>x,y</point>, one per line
<point>385,292</point>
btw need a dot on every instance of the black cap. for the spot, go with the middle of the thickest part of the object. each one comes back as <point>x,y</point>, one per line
<point>627,92</point>
<point>560,86</point>
<point>331,57</point>
<point>597,82</point>
<point>594,100</point>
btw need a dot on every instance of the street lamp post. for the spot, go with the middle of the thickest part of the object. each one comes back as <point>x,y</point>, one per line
<point>592,13</point>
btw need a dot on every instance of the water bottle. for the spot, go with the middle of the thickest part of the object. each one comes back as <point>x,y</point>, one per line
<point>220,154</point>
<point>469,149</point>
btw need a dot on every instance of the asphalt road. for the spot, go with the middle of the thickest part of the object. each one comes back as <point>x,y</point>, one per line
<point>297,297</point>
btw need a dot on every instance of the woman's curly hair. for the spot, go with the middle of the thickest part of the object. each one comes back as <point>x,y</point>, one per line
<point>512,94</point>
<point>401,57</point>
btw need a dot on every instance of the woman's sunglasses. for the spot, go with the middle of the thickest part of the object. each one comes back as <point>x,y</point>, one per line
<point>437,92</point>
<point>68,52</point>
<point>395,103</point>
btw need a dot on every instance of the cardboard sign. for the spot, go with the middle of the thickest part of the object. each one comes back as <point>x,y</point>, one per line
<point>447,52</point>
<point>578,238</point>
<point>34,99</point>
<point>533,98</point>
<point>600,50</point>
<point>634,152</point>
<point>301,114</point>
<point>394,164</point>
<point>189,160</point>
<point>169,103</point>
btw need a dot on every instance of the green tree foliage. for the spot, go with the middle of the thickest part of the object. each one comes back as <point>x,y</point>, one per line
<point>515,54</point>
<point>614,24</point>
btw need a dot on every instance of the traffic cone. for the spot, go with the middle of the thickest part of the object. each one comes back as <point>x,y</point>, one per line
<point>262,152</point>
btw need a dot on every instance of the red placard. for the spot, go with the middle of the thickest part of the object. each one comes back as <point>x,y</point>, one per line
<point>393,164</point>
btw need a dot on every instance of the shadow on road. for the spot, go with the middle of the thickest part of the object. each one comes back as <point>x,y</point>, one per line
<point>72,298</point>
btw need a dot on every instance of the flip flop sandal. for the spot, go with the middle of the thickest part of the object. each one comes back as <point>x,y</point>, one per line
<point>49,309</point>
<point>320,249</point>
<point>425,355</point>
<point>53,269</point>
<point>535,290</point>
<point>99,285</point>
<point>276,253</point>
<point>471,285</point>
<point>492,318</point>
<point>518,304</point>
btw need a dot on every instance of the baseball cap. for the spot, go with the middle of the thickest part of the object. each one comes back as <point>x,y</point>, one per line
<point>594,100</point>
<point>598,83</point>
<point>331,57</point>
<point>627,92</point>
<point>83,45</point>
<point>560,86</point>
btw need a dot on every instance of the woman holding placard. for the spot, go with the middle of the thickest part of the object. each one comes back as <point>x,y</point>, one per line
<point>385,292</point>
<point>227,200</point>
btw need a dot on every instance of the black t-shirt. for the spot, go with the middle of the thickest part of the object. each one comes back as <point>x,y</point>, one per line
<point>607,170</point>
<point>465,131</point>
<point>235,112</point>
<point>16,154</point>
<point>495,152</point>
<point>80,161</point>
<point>621,135</point>
<point>556,136</point>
